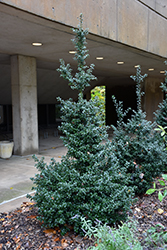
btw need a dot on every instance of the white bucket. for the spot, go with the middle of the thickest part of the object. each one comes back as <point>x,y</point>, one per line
<point>6,149</point>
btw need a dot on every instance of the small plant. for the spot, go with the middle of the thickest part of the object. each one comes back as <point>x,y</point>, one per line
<point>163,133</point>
<point>156,237</point>
<point>112,238</point>
<point>125,236</point>
<point>164,176</point>
<point>164,188</point>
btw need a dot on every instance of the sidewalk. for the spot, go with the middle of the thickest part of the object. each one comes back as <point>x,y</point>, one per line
<point>15,173</point>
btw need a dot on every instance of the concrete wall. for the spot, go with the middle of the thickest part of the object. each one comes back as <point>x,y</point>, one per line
<point>158,5</point>
<point>132,22</point>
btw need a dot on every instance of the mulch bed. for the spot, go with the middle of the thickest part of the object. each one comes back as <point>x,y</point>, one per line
<point>20,229</point>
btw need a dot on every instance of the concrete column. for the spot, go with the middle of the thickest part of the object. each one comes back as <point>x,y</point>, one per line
<point>153,96</point>
<point>24,104</point>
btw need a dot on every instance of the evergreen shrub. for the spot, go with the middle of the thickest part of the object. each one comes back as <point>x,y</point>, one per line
<point>88,181</point>
<point>137,145</point>
<point>161,113</point>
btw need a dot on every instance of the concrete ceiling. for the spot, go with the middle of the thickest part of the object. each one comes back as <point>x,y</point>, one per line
<point>19,29</point>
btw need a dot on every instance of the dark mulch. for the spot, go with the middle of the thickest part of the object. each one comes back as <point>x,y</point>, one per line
<point>20,229</point>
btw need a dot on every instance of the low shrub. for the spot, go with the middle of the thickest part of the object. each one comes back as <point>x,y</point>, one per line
<point>63,193</point>
<point>156,237</point>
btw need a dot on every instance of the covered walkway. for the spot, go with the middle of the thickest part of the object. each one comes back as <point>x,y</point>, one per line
<point>16,172</point>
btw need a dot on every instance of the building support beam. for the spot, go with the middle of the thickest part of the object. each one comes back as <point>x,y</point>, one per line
<point>24,104</point>
<point>152,97</point>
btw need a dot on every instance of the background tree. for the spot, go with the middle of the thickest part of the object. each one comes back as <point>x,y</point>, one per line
<point>161,113</point>
<point>137,145</point>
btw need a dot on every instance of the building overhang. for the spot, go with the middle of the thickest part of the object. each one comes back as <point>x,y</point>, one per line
<point>19,29</point>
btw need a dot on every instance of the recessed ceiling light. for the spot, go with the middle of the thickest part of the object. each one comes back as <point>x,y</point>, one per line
<point>136,66</point>
<point>72,51</point>
<point>151,69</point>
<point>99,58</point>
<point>37,44</point>
<point>120,62</point>
<point>162,71</point>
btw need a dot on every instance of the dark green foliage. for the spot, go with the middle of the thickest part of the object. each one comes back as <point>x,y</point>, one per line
<point>88,181</point>
<point>161,114</point>
<point>82,130</point>
<point>97,178</point>
<point>84,75</point>
<point>137,146</point>
<point>63,193</point>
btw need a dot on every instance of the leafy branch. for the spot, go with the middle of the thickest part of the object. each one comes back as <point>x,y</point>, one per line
<point>138,78</point>
<point>84,74</point>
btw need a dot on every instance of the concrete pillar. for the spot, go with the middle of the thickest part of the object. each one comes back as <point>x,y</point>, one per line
<point>24,104</point>
<point>153,96</point>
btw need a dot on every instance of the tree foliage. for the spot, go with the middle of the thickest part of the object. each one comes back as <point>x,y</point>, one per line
<point>97,178</point>
<point>136,144</point>
<point>161,113</point>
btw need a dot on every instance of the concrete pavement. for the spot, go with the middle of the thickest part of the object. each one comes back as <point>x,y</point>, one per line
<point>15,173</point>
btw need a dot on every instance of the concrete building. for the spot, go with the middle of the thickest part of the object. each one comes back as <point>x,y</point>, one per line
<point>125,33</point>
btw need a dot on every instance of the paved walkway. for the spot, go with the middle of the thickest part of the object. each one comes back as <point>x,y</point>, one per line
<point>15,173</point>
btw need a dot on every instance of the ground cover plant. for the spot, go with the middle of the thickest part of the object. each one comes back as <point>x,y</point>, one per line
<point>112,238</point>
<point>125,236</point>
<point>87,182</point>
